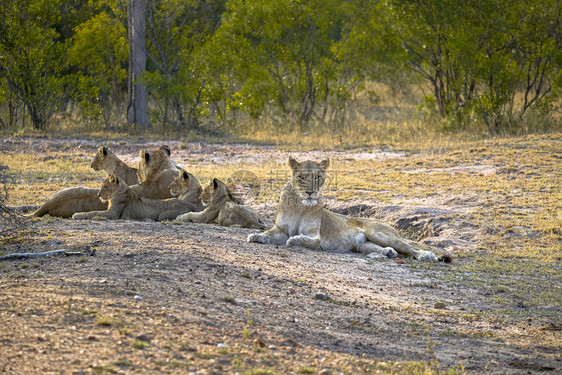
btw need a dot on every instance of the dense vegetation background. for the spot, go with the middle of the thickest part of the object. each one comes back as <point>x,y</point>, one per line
<point>343,68</point>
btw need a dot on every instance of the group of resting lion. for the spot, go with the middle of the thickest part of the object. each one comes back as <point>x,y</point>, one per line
<point>158,190</point>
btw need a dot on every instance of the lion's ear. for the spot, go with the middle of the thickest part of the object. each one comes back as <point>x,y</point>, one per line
<point>324,164</point>
<point>102,151</point>
<point>293,163</point>
<point>145,155</point>
<point>215,183</point>
<point>113,179</point>
<point>185,175</point>
<point>166,149</point>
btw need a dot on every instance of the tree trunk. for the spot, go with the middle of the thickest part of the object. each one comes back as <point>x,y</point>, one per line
<point>136,108</point>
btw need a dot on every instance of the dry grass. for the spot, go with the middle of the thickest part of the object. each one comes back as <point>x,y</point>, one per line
<point>515,260</point>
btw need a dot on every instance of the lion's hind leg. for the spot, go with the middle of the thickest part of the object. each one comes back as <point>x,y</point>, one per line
<point>393,241</point>
<point>371,247</point>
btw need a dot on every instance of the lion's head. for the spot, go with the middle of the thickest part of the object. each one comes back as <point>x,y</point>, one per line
<point>183,183</point>
<point>152,162</point>
<point>110,186</point>
<point>308,179</point>
<point>216,190</point>
<point>100,158</point>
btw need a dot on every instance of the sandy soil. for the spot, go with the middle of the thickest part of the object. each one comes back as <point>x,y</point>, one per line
<point>167,298</point>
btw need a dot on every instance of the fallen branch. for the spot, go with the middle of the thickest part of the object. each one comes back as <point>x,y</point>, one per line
<point>47,253</point>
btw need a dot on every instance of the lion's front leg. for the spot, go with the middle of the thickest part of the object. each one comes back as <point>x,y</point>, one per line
<point>204,217</point>
<point>274,235</point>
<point>310,242</point>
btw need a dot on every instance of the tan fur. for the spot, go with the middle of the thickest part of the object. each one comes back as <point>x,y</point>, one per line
<point>223,208</point>
<point>126,204</point>
<point>302,220</point>
<point>69,201</point>
<point>107,161</point>
<point>80,199</point>
<point>156,172</point>
<point>187,188</point>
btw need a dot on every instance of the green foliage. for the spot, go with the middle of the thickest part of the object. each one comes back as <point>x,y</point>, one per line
<point>479,57</point>
<point>99,51</point>
<point>484,65</point>
<point>176,31</point>
<point>283,54</point>
<point>31,67</point>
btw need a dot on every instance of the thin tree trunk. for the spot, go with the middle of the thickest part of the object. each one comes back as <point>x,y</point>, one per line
<point>136,108</point>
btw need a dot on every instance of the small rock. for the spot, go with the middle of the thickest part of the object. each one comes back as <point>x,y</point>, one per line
<point>143,337</point>
<point>223,346</point>
<point>400,261</point>
<point>439,305</point>
<point>321,296</point>
<point>137,297</point>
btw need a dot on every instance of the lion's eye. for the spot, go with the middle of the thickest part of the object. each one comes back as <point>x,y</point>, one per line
<point>317,178</point>
<point>300,178</point>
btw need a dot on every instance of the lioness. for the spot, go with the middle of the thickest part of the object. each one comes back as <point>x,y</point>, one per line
<point>224,208</point>
<point>110,163</point>
<point>124,203</point>
<point>302,220</point>
<point>186,187</point>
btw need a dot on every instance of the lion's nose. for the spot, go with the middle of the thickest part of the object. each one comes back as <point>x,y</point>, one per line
<point>309,193</point>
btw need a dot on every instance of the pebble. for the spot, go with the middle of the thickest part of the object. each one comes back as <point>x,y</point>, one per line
<point>223,346</point>
<point>138,298</point>
<point>143,337</point>
<point>439,305</point>
<point>321,296</point>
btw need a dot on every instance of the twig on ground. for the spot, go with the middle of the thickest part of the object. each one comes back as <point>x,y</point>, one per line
<point>13,256</point>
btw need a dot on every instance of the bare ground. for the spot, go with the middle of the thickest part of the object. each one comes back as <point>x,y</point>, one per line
<point>168,298</point>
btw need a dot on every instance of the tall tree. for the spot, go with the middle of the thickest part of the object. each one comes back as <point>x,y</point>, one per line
<point>136,108</point>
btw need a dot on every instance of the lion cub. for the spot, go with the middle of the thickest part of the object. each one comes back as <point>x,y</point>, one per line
<point>186,188</point>
<point>124,203</point>
<point>71,200</point>
<point>156,173</point>
<point>109,162</point>
<point>223,208</point>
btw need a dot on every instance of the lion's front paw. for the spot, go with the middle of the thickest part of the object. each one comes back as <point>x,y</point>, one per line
<point>258,237</point>
<point>79,216</point>
<point>184,217</point>
<point>304,241</point>
<point>426,256</point>
<point>293,241</point>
